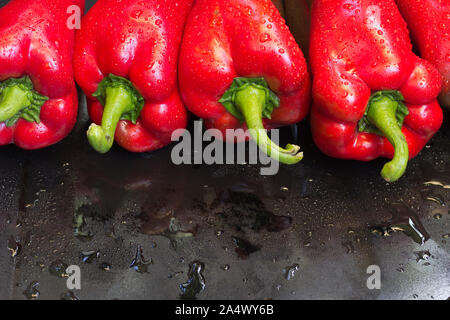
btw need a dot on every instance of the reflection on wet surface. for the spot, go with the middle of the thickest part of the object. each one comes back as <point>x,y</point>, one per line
<point>404,220</point>
<point>140,227</point>
<point>196,282</point>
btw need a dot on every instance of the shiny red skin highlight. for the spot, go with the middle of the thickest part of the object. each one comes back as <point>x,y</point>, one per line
<point>35,41</point>
<point>138,40</point>
<point>357,48</point>
<point>225,39</point>
<point>429,24</point>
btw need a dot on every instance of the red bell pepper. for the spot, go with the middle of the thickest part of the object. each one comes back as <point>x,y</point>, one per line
<point>126,57</point>
<point>429,24</point>
<point>372,96</point>
<point>38,96</point>
<point>239,64</point>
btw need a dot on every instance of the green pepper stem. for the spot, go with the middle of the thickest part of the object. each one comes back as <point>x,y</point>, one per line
<point>382,114</point>
<point>14,100</point>
<point>250,101</point>
<point>118,102</point>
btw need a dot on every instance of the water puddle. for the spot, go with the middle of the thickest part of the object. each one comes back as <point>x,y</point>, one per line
<point>289,272</point>
<point>196,282</point>
<point>403,220</point>
<point>139,263</point>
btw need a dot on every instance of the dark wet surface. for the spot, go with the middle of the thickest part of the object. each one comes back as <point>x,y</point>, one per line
<point>142,228</point>
<point>136,224</point>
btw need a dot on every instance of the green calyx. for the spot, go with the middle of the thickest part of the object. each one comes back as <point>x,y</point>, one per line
<point>18,99</point>
<point>384,116</point>
<point>250,100</point>
<point>121,101</point>
<point>228,100</point>
<point>137,100</point>
<point>365,125</point>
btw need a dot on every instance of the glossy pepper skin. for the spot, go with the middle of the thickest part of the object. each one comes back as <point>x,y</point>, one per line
<point>126,58</point>
<point>429,24</point>
<point>370,91</point>
<point>240,63</point>
<point>38,97</point>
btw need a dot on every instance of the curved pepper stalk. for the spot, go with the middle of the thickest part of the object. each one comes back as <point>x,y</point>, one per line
<point>121,101</point>
<point>18,99</point>
<point>384,116</point>
<point>250,100</point>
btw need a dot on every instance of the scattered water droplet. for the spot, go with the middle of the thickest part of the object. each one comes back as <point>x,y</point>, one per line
<point>139,263</point>
<point>225,267</point>
<point>289,272</point>
<point>264,37</point>
<point>437,183</point>
<point>436,199</point>
<point>32,291</point>
<point>69,295</point>
<point>105,266</point>
<point>14,247</point>
<point>422,255</point>
<point>89,256</point>
<point>58,268</point>
<point>437,216</point>
<point>219,233</point>
<point>196,282</point>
